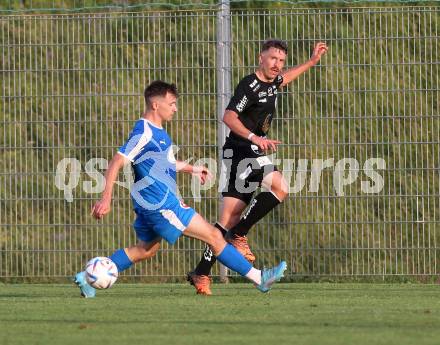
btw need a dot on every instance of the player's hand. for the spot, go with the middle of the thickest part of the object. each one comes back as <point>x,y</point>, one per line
<point>202,173</point>
<point>101,208</point>
<point>319,50</point>
<point>264,143</point>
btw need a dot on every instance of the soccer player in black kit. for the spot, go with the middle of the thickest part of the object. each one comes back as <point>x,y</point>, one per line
<point>246,166</point>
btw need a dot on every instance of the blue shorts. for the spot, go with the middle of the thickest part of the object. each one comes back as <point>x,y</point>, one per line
<point>168,222</point>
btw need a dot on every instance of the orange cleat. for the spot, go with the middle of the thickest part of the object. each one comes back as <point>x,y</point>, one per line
<point>201,283</point>
<point>241,244</point>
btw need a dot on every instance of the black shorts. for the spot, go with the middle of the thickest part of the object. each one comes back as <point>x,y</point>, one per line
<point>244,167</point>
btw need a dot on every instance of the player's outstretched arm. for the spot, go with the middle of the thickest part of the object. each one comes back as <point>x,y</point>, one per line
<point>294,72</point>
<point>201,172</point>
<point>102,207</point>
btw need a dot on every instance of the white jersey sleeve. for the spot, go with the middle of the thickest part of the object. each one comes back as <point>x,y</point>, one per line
<point>139,137</point>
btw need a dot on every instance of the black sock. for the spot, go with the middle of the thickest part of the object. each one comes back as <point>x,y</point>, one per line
<point>208,259</point>
<point>260,206</point>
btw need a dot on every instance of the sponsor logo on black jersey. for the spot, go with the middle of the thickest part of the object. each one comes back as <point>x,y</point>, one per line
<point>262,94</point>
<point>269,92</point>
<point>253,83</point>
<point>263,100</point>
<point>242,104</point>
<point>256,88</point>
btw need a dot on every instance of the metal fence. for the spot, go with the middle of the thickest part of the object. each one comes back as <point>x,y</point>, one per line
<point>360,135</point>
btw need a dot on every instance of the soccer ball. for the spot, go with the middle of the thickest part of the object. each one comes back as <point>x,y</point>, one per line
<point>101,272</point>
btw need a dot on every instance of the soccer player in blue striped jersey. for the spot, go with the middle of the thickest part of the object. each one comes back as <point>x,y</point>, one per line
<point>160,213</point>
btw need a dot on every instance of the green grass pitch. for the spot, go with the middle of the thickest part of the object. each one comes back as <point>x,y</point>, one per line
<point>236,314</point>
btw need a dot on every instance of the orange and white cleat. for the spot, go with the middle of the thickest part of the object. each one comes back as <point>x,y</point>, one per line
<point>241,244</point>
<point>200,282</point>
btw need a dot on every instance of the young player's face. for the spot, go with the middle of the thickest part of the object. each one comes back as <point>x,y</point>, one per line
<point>272,62</point>
<point>167,106</point>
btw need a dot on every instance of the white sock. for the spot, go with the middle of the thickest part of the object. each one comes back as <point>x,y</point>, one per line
<point>254,275</point>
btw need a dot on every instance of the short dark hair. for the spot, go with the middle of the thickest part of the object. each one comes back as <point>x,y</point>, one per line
<point>271,43</point>
<point>159,88</point>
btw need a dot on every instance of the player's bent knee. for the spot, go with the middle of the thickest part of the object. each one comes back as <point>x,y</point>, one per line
<point>282,194</point>
<point>280,189</point>
<point>279,194</point>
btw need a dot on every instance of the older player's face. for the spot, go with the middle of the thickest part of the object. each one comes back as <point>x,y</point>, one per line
<point>272,62</point>
<point>167,106</point>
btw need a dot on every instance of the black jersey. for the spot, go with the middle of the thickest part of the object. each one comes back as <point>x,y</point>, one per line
<point>254,101</point>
